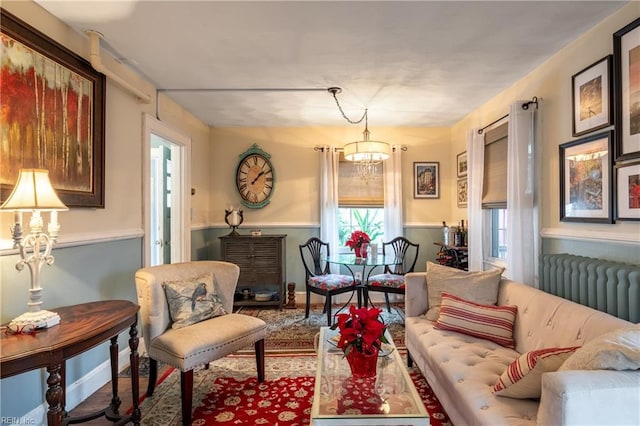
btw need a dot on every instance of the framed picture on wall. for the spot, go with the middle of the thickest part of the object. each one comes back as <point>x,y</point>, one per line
<point>462,164</point>
<point>462,192</point>
<point>585,179</point>
<point>426,179</point>
<point>54,117</point>
<point>591,97</point>
<point>627,184</point>
<point>626,56</point>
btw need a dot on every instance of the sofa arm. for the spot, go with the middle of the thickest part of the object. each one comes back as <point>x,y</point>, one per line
<point>415,297</point>
<point>590,397</point>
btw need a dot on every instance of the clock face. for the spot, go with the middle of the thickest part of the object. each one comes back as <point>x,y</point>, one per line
<point>254,180</point>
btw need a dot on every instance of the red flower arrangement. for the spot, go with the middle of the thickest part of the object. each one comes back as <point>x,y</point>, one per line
<point>357,238</point>
<point>361,330</point>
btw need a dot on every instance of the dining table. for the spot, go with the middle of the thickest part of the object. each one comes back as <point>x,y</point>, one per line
<point>363,267</point>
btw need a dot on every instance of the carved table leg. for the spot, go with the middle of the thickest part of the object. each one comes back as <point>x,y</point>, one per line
<point>113,352</point>
<point>54,396</point>
<point>135,372</point>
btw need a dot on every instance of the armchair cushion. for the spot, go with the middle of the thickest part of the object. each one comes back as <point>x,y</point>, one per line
<point>192,300</point>
<point>190,347</point>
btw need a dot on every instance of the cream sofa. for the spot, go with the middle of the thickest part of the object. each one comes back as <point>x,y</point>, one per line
<point>462,370</point>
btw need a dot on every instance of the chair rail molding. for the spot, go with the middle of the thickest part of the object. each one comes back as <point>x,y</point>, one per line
<point>628,238</point>
<point>80,239</point>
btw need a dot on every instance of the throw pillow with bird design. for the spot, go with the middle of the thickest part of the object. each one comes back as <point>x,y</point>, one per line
<point>192,300</point>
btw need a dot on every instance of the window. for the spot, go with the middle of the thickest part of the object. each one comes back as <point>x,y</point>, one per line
<point>367,219</point>
<point>361,204</point>
<point>499,233</point>
<point>494,191</point>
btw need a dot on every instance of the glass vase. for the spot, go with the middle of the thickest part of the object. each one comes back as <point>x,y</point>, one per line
<point>363,365</point>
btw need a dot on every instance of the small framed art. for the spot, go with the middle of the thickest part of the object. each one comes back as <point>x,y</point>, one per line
<point>591,97</point>
<point>585,179</point>
<point>462,164</point>
<point>626,57</point>
<point>462,192</point>
<point>426,179</point>
<point>627,183</point>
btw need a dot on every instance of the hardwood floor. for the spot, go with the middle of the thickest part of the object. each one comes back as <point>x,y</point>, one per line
<point>102,398</point>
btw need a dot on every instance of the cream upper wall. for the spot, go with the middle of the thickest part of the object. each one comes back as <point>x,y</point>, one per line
<point>122,214</point>
<point>551,83</point>
<point>296,197</point>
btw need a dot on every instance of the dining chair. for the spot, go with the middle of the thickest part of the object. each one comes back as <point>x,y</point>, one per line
<point>318,277</point>
<point>392,278</point>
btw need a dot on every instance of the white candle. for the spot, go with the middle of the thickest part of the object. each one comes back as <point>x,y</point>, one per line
<point>54,217</point>
<point>17,217</point>
<point>234,219</point>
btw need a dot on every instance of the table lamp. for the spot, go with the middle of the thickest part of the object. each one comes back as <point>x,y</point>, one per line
<point>34,193</point>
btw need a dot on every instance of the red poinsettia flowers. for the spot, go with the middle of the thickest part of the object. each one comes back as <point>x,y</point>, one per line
<point>361,330</point>
<point>358,238</point>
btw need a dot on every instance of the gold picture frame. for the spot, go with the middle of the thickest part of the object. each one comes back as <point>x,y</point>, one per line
<point>55,119</point>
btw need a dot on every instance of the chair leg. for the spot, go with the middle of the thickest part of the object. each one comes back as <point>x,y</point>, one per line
<point>153,376</point>
<point>186,391</point>
<point>328,309</point>
<point>365,296</point>
<point>259,346</point>
<point>386,298</point>
<point>306,308</point>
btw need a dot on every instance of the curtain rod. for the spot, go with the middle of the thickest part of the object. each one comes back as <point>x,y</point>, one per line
<point>525,106</point>
<point>322,148</point>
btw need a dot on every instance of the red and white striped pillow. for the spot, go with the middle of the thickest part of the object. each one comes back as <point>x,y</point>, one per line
<point>488,322</point>
<point>523,377</point>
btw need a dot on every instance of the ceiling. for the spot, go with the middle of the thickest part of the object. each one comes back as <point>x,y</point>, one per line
<point>420,63</point>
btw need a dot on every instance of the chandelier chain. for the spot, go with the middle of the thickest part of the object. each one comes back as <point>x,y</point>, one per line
<point>364,116</point>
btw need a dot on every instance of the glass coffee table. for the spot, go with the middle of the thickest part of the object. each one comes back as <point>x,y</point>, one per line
<point>390,398</point>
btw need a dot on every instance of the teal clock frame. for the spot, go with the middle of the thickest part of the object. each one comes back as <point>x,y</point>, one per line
<point>255,149</point>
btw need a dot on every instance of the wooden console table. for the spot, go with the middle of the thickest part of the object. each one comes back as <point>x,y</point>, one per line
<point>81,328</point>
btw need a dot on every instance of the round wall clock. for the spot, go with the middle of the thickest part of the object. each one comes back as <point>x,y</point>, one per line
<point>255,177</point>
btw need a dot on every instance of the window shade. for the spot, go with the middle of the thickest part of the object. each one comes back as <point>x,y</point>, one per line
<point>494,186</point>
<point>355,192</point>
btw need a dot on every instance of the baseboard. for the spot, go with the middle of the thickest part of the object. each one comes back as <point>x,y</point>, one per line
<point>83,388</point>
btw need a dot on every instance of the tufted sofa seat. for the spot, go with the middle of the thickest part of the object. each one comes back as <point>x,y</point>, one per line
<point>462,370</point>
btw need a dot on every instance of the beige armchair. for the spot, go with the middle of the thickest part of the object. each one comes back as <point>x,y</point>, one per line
<point>198,344</point>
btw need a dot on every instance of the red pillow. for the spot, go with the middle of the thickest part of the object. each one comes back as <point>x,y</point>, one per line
<point>523,377</point>
<point>488,322</point>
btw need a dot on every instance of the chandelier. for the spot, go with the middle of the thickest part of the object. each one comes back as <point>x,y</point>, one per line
<point>367,154</point>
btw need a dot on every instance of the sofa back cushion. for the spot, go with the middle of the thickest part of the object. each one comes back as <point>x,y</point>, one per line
<point>546,321</point>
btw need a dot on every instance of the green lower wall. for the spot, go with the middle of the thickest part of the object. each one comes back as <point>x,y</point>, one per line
<point>626,253</point>
<point>80,274</point>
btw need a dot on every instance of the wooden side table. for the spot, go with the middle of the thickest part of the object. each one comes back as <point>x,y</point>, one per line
<point>81,328</point>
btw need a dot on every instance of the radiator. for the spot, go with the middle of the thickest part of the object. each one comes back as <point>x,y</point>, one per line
<point>607,286</point>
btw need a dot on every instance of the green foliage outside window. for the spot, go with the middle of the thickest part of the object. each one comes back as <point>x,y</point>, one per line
<point>369,220</point>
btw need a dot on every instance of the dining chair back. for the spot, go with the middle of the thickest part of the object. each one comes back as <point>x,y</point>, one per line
<point>392,278</point>
<point>318,277</point>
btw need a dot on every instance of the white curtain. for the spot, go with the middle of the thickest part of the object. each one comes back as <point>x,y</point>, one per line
<point>392,169</point>
<point>329,197</point>
<point>521,224</point>
<point>475,176</point>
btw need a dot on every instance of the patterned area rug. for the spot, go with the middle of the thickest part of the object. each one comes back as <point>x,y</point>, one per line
<point>228,394</point>
<point>289,331</point>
